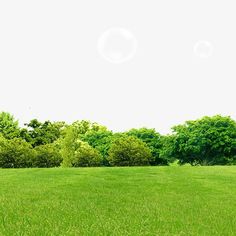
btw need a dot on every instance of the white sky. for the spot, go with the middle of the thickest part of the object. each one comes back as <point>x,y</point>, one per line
<point>50,67</point>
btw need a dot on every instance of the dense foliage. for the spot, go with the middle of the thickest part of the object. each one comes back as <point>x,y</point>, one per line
<point>16,153</point>
<point>38,133</point>
<point>100,140</point>
<point>47,155</point>
<point>206,141</point>
<point>153,141</point>
<point>86,156</point>
<point>9,127</point>
<point>129,151</point>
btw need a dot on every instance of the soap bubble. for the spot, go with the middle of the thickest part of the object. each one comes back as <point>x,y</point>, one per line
<point>203,49</point>
<point>117,45</point>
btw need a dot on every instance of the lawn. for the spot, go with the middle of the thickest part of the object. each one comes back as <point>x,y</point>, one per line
<point>118,201</point>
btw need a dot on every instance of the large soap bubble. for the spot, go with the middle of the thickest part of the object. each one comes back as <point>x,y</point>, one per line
<point>203,49</point>
<point>117,45</point>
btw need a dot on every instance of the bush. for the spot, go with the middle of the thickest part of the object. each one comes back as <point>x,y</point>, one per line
<point>86,156</point>
<point>129,151</point>
<point>47,156</point>
<point>16,153</point>
<point>153,140</point>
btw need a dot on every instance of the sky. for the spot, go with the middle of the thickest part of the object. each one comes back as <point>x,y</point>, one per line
<point>123,63</point>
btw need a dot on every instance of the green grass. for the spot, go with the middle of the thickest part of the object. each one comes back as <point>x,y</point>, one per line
<point>118,201</point>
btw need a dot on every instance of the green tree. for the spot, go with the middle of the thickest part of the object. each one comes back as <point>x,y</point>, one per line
<point>153,140</point>
<point>84,126</point>
<point>73,134</point>
<point>68,145</point>
<point>100,140</point>
<point>38,133</point>
<point>129,151</point>
<point>207,141</point>
<point>9,127</point>
<point>166,151</point>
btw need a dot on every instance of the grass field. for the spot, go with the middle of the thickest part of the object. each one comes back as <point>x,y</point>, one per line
<point>118,201</point>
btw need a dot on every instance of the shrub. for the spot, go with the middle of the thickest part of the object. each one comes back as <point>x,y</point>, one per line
<point>47,156</point>
<point>16,153</point>
<point>153,140</point>
<point>86,156</point>
<point>129,151</point>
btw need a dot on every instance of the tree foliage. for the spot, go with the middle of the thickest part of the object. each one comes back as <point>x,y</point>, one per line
<point>153,140</point>
<point>47,156</point>
<point>207,141</point>
<point>100,140</point>
<point>129,151</point>
<point>38,133</point>
<point>16,153</point>
<point>9,127</point>
<point>84,126</point>
<point>86,156</point>
<point>68,145</point>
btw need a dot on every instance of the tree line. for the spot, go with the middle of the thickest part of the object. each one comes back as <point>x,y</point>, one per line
<point>205,141</point>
